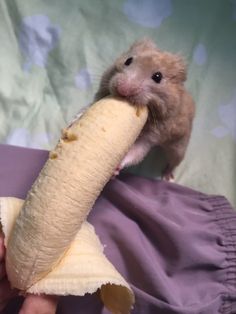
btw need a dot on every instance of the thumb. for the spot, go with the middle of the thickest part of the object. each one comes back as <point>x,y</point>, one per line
<point>39,304</point>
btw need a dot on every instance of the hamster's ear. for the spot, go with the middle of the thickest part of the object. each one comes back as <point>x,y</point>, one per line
<point>143,44</point>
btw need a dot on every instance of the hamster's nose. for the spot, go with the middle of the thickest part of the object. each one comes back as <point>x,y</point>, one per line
<point>126,88</point>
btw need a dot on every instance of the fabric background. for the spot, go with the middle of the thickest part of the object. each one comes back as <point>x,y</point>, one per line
<point>53,53</point>
<point>175,246</point>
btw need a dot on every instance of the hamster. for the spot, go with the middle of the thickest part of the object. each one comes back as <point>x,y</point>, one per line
<point>147,76</point>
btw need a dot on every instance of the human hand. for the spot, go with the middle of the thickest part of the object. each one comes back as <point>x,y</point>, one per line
<point>33,304</point>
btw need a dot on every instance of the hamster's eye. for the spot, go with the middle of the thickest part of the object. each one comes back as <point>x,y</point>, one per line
<point>157,77</point>
<point>128,61</point>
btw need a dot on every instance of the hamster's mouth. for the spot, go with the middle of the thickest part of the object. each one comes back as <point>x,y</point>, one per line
<point>134,96</point>
<point>134,99</point>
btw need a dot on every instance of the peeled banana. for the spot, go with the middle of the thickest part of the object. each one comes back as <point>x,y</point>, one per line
<point>83,269</point>
<point>75,173</point>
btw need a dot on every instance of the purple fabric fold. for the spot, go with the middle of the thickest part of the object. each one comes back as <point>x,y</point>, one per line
<point>174,245</point>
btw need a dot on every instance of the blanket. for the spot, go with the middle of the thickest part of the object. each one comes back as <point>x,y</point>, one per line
<point>174,245</point>
<point>52,55</point>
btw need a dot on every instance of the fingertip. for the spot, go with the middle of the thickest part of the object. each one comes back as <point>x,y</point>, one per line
<point>44,303</point>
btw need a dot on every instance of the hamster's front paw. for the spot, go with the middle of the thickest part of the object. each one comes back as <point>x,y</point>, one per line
<point>167,174</point>
<point>116,172</point>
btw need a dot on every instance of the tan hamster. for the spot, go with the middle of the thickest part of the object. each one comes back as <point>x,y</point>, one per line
<point>147,76</point>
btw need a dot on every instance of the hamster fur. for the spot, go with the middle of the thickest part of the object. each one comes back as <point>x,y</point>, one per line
<point>147,76</point>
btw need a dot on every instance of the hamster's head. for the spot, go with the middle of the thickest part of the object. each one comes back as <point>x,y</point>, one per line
<point>145,76</point>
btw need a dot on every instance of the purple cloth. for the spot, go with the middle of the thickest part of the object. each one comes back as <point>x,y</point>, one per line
<point>175,246</point>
